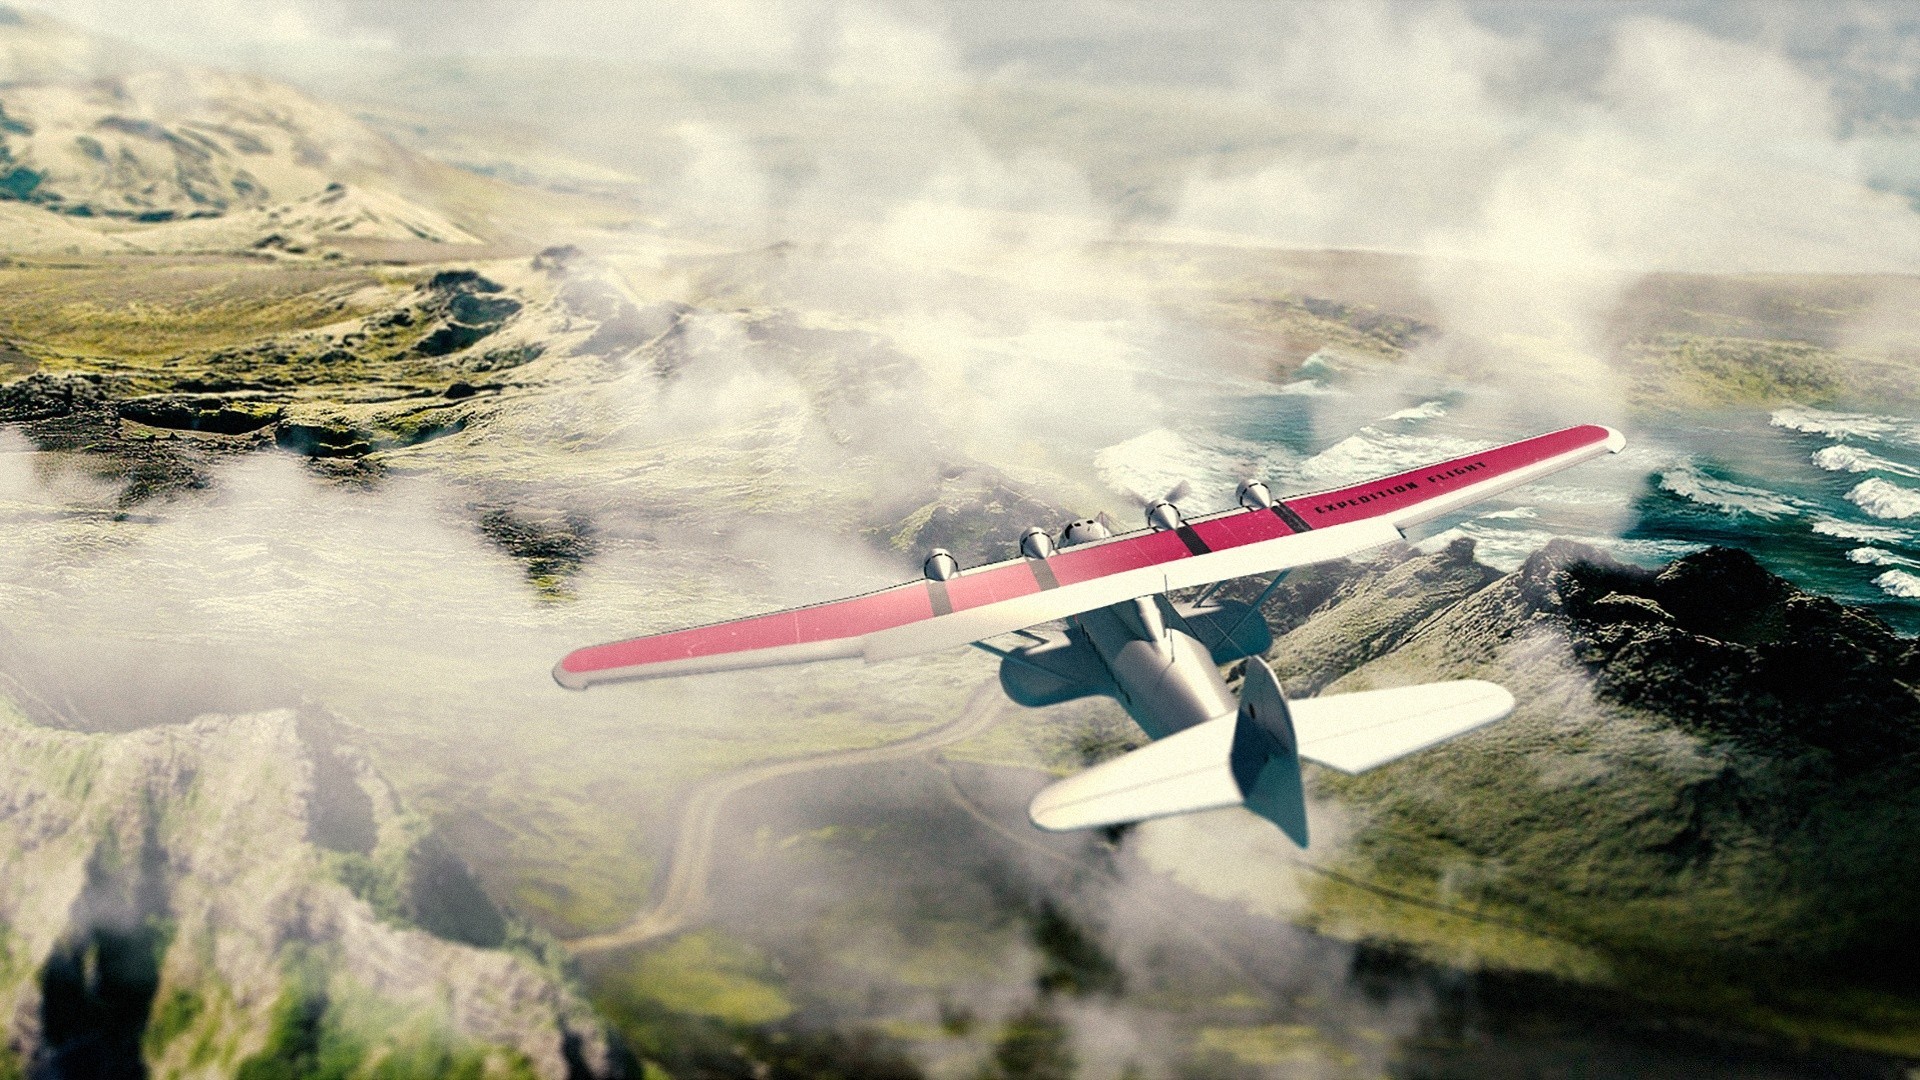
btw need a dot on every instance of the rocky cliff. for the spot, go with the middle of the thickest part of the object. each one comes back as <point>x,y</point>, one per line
<point>239,895</point>
<point>1707,793</point>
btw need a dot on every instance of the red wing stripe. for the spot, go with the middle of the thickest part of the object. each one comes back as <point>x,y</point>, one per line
<point>854,617</point>
<point>1077,564</point>
<point>1233,530</point>
<point>863,614</point>
<point>1376,498</point>
<point>1405,497</point>
<point>991,584</point>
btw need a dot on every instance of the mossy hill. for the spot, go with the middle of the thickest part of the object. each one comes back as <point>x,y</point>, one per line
<point>244,896</point>
<point>1706,798</point>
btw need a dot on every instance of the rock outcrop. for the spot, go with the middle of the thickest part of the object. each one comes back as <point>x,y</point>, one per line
<point>1711,774</point>
<point>45,397</point>
<point>237,895</point>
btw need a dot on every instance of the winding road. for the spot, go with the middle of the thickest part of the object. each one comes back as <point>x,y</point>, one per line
<point>685,896</point>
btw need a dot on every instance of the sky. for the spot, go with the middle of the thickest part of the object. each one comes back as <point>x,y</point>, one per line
<point>1636,134</point>
<point>1870,49</point>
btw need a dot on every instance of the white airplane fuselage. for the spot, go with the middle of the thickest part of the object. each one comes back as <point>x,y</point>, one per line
<point>1167,679</point>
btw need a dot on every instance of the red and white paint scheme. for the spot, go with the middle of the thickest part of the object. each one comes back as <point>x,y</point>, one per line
<point>1124,638</point>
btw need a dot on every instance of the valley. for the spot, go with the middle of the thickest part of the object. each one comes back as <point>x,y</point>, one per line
<point>316,451</point>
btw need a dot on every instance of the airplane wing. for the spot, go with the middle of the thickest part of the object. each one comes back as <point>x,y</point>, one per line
<point>927,616</point>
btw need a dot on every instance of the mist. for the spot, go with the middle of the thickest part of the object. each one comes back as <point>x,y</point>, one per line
<point>993,265</point>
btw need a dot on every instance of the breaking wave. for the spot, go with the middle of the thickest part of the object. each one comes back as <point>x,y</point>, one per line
<point>1872,556</point>
<point>1212,463</point>
<point>1566,494</point>
<point>1307,388</point>
<point>1726,496</point>
<point>1371,452</point>
<point>1852,459</point>
<point>1846,425</point>
<point>1884,500</point>
<point>1426,410</point>
<point>1853,530</point>
<point>1505,549</point>
<point>1899,583</point>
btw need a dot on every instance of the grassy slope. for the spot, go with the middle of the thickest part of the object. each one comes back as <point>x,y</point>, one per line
<point>575,861</point>
<point>123,313</point>
<point>1586,840</point>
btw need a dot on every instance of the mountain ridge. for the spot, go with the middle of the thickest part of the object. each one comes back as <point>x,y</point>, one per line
<point>167,895</point>
<point>105,148</point>
<point>1702,799</point>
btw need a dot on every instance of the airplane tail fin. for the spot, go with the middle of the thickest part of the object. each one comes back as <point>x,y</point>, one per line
<point>1265,757</point>
<point>1253,757</point>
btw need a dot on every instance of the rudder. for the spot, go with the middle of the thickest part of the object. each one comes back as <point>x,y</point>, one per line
<point>1266,754</point>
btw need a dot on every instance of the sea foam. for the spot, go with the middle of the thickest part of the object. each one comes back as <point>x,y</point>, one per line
<point>1307,388</point>
<point>1371,452</point>
<point>1885,500</point>
<point>1724,495</point>
<point>1853,530</point>
<point>1852,459</point>
<point>1899,583</point>
<point>1426,410</point>
<point>1846,425</point>
<point>1505,549</point>
<point>1872,556</point>
<point>1150,464</point>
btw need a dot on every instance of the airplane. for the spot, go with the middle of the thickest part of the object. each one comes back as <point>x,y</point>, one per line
<point>1161,659</point>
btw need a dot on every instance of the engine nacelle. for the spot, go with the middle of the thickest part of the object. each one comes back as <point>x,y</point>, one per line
<point>1036,544</point>
<point>1163,515</point>
<point>940,565</point>
<point>1083,531</point>
<point>1255,496</point>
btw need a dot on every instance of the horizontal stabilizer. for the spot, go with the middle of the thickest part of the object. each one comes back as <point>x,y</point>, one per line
<point>1194,769</point>
<point>1186,771</point>
<point>1357,732</point>
<point>1248,758</point>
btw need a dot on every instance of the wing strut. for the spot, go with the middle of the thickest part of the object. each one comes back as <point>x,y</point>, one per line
<point>1264,595</point>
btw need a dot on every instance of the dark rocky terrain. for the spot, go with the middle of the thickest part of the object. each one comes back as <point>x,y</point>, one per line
<point>1707,795</point>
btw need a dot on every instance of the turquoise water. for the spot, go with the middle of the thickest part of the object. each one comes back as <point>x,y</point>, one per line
<point>1828,499</point>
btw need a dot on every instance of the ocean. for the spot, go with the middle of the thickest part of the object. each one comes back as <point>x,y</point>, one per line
<point>1828,499</point>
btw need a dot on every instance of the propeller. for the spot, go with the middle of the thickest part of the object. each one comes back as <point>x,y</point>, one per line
<point>1180,491</point>
<point>1162,513</point>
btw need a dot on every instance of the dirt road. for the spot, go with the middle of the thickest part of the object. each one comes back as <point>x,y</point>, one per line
<point>685,895</point>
